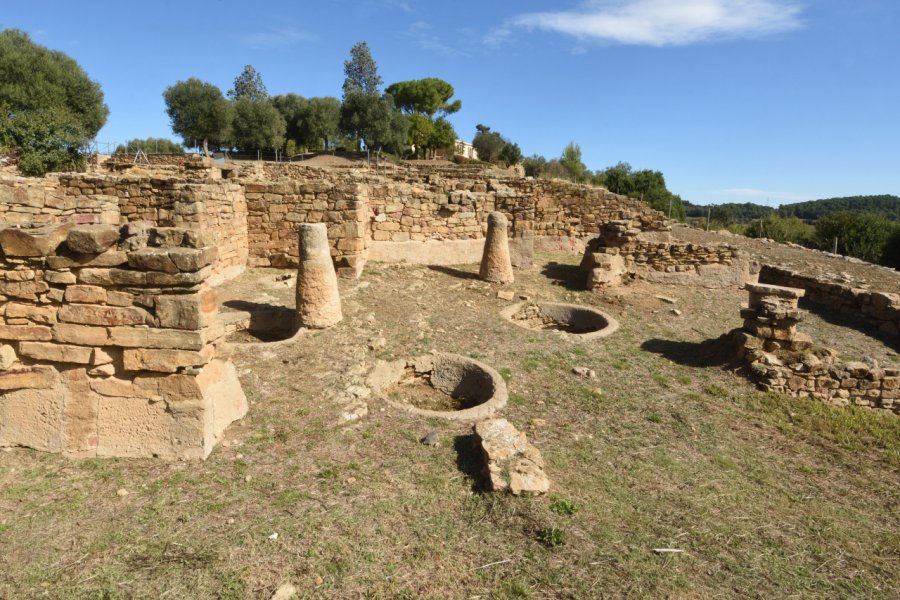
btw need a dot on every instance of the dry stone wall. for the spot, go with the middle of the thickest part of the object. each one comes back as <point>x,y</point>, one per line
<point>881,309</point>
<point>109,344</point>
<point>781,359</point>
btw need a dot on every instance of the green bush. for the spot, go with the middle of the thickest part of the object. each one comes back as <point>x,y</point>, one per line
<point>780,229</point>
<point>864,235</point>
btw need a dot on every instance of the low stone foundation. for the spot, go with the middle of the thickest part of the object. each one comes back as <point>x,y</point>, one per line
<point>782,360</point>
<point>881,309</point>
<point>624,251</point>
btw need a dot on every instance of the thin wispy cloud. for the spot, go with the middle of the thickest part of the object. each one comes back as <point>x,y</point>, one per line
<point>749,193</point>
<point>276,38</point>
<point>423,36</point>
<point>661,22</point>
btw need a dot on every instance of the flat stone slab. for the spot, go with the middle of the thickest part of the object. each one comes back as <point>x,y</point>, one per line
<point>765,289</point>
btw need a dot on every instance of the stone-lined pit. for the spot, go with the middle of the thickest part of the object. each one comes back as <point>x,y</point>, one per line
<point>583,321</point>
<point>448,386</point>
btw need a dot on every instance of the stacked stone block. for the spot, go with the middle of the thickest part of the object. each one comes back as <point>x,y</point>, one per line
<point>782,360</point>
<point>109,344</point>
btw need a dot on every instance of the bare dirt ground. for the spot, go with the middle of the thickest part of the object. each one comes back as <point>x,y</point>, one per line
<point>766,496</point>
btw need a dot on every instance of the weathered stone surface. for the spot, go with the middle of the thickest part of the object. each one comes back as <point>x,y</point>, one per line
<point>510,461</point>
<point>27,290</point>
<point>25,332</point>
<point>90,314</point>
<point>109,258</point>
<point>59,277</point>
<point>191,311</point>
<point>45,315</point>
<point>144,337</point>
<point>496,265</point>
<point>764,289</point>
<point>36,377</point>
<point>62,353</point>
<point>109,277</point>
<point>80,334</point>
<point>7,356</point>
<point>31,418</point>
<point>152,259</point>
<point>85,294</point>
<point>33,242</point>
<point>191,260</point>
<point>164,361</point>
<point>92,239</point>
<point>318,299</point>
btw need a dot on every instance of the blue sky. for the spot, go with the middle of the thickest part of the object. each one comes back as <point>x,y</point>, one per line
<point>733,100</point>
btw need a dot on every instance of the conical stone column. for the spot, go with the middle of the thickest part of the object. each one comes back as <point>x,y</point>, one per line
<point>495,263</point>
<point>318,301</point>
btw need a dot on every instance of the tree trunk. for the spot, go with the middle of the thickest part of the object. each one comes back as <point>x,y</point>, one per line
<point>206,146</point>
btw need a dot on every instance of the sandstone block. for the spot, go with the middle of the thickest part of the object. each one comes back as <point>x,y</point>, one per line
<point>90,314</point>
<point>25,332</point>
<point>135,427</point>
<point>511,462</point>
<point>36,377</point>
<point>496,265</point>
<point>50,352</point>
<point>109,258</point>
<point>143,337</point>
<point>34,242</point>
<point>80,334</point>
<point>152,259</point>
<point>27,290</point>
<point>32,418</point>
<point>45,315</point>
<point>7,356</point>
<point>190,260</point>
<point>191,312</point>
<point>318,299</point>
<point>85,294</point>
<point>59,277</point>
<point>92,239</point>
<point>106,277</point>
<point>164,361</point>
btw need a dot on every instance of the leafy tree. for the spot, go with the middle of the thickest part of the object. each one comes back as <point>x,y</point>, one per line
<point>150,145</point>
<point>535,165</point>
<point>571,162</point>
<point>198,111</point>
<point>647,185</point>
<point>886,205</point>
<point>320,122</point>
<point>374,120</point>
<point>443,137</point>
<point>861,235</point>
<point>257,125</point>
<point>489,144</point>
<point>45,140</point>
<point>427,96</point>
<point>890,255</point>
<point>781,229</point>
<point>292,108</point>
<point>511,154</point>
<point>361,72</point>
<point>421,129</point>
<point>49,107</point>
<point>249,85</point>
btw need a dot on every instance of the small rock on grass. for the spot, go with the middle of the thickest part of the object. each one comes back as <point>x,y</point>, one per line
<point>676,312</point>
<point>285,591</point>
<point>666,299</point>
<point>431,439</point>
<point>506,294</point>
<point>121,492</point>
<point>585,372</point>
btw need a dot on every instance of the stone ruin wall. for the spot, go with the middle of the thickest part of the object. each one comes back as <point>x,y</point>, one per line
<point>880,309</point>
<point>109,344</point>
<point>783,360</point>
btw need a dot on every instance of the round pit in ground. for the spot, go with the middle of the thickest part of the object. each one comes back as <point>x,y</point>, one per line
<point>583,321</point>
<point>441,385</point>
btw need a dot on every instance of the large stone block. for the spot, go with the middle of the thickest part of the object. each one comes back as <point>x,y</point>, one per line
<point>144,337</point>
<point>134,427</point>
<point>90,314</point>
<point>92,239</point>
<point>32,418</point>
<point>33,242</point>
<point>25,332</point>
<point>80,334</point>
<point>60,353</point>
<point>164,360</point>
<point>45,315</point>
<point>85,294</point>
<point>192,311</point>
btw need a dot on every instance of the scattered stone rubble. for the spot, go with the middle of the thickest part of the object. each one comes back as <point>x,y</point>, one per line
<point>781,359</point>
<point>511,463</point>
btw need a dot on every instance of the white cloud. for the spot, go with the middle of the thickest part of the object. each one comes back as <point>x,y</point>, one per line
<point>663,22</point>
<point>276,38</point>
<point>759,194</point>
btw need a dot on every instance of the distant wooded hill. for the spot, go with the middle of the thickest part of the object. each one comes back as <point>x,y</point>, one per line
<point>886,205</point>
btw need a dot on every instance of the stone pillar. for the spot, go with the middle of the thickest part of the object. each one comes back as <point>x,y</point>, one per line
<point>496,265</point>
<point>318,301</point>
<point>772,316</point>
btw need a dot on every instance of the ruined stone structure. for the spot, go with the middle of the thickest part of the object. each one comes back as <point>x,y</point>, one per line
<point>109,343</point>
<point>496,265</point>
<point>880,309</point>
<point>629,248</point>
<point>511,463</point>
<point>781,359</point>
<point>318,300</point>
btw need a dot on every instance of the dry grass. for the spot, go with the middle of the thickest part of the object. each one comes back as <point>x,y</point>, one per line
<point>768,496</point>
